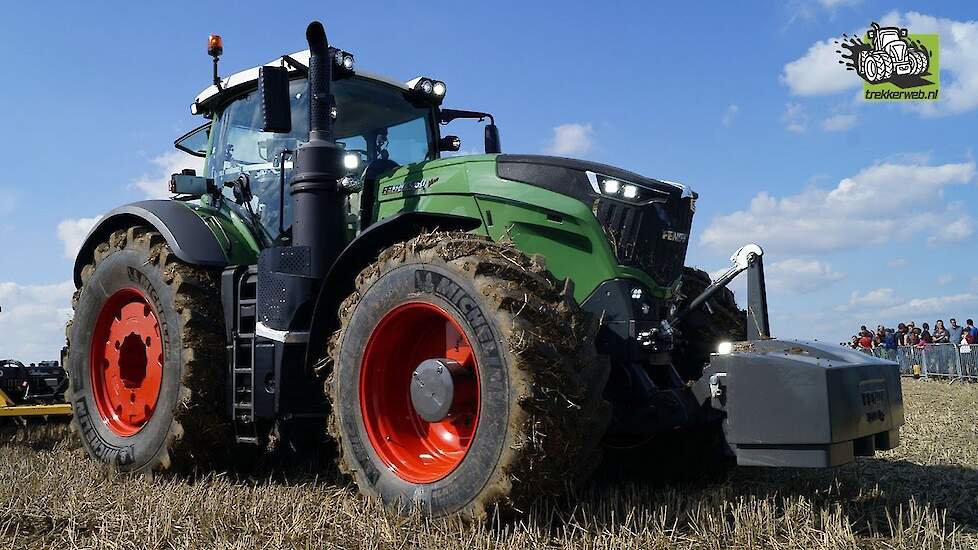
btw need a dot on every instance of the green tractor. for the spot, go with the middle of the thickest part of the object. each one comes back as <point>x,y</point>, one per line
<point>471,331</point>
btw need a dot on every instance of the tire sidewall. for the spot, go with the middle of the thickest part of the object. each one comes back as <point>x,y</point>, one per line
<point>127,268</point>
<point>455,294</point>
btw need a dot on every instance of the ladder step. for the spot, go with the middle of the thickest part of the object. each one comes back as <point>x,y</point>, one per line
<point>246,439</point>
<point>243,371</point>
<point>243,406</point>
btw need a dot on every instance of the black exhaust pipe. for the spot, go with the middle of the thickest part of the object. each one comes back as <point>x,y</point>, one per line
<point>319,222</point>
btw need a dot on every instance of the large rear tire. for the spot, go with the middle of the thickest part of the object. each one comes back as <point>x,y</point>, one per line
<point>528,411</point>
<point>146,357</point>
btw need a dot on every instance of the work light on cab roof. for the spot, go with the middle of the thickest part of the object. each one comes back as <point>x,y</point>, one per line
<point>430,88</point>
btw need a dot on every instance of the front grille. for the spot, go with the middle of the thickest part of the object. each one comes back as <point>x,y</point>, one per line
<point>637,234</point>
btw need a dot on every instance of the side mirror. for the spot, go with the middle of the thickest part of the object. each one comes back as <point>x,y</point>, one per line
<point>273,90</point>
<point>492,139</point>
<point>449,143</point>
<point>904,32</point>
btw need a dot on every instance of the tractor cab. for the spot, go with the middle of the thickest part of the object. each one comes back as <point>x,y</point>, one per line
<point>379,124</point>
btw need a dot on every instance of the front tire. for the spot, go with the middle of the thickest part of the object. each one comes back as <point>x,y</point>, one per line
<point>146,357</point>
<point>879,67</point>
<point>528,411</point>
<point>718,320</point>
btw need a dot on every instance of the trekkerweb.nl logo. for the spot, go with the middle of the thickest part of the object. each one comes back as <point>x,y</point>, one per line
<point>894,64</point>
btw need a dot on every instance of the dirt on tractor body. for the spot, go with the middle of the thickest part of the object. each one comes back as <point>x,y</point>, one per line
<point>924,494</point>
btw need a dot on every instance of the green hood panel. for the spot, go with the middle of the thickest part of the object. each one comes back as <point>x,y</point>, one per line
<point>539,221</point>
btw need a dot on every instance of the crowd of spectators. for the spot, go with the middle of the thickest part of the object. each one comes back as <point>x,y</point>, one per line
<point>909,334</point>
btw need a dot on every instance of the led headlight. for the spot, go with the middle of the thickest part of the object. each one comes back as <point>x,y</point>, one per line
<point>611,187</point>
<point>428,88</point>
<point>343,60</point>
<point>351,161</point>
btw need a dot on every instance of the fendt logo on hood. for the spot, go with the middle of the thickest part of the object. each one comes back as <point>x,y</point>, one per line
<point>894,64</point>
<point>408,187</point>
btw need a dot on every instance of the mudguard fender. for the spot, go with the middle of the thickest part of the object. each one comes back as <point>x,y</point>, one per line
<point>187,234</point>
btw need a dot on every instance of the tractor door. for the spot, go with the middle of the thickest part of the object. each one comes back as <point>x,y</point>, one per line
<point>242,147</point>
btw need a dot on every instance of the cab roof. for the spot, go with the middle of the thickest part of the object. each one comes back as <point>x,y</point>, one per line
<point>212,95</point>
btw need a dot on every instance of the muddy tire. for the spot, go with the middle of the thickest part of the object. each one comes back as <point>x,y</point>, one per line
<point>527,413</point>
<point>702,330</point>
<point>146,357</point>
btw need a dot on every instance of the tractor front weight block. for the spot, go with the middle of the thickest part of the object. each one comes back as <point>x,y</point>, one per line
<point>803,404</point>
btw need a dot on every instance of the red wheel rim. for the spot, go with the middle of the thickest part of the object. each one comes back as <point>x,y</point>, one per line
<point>415,450</point>
<point>126,362</point>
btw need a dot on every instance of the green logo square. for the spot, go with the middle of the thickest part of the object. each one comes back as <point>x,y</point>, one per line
<point>896,65</point>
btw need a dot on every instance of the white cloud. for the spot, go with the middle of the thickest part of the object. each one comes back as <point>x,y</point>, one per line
<point>882,202</point>
<point>796,275</point>
<point>571,139</point>
<point>934,305</point>
<point>819,72</point>
<point>953,231</point>
<point>33,320</point>
<point>730,114</point>
<point>156,185</point>
<point>958,60</point>
<point>877,298</point>
<point>945,279</point>
<point>794,118</point>
<point>885,305</point>
<point>898,263</point>
<point>839,123</point>
<point>72,233</point>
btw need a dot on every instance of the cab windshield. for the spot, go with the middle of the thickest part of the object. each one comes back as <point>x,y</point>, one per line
<point>374,120</point>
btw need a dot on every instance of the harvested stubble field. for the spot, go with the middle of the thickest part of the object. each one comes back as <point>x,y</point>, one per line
<point>923,494</point>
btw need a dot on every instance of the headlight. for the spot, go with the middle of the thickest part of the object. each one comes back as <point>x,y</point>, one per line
<point>615,188</point>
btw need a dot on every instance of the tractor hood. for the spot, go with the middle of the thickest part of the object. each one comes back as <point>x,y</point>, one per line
<point>647,221</point>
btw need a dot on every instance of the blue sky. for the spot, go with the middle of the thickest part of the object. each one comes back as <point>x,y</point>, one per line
<point>867,211</point>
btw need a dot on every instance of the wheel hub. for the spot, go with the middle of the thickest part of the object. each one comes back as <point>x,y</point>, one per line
<point>433,388</point>
<point>419,392</point>
<point>126,362</point>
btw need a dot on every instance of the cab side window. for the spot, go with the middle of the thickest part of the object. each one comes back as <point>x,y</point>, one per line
<point>243,148</point>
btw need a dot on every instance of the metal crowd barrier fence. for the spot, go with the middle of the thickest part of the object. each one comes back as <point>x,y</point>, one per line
<point>937,360</point>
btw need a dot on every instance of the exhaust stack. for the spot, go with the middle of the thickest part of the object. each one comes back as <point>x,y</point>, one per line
<point>317,201</point>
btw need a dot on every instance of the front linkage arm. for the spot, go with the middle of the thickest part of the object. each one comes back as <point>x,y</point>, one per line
<point>746,258</point>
